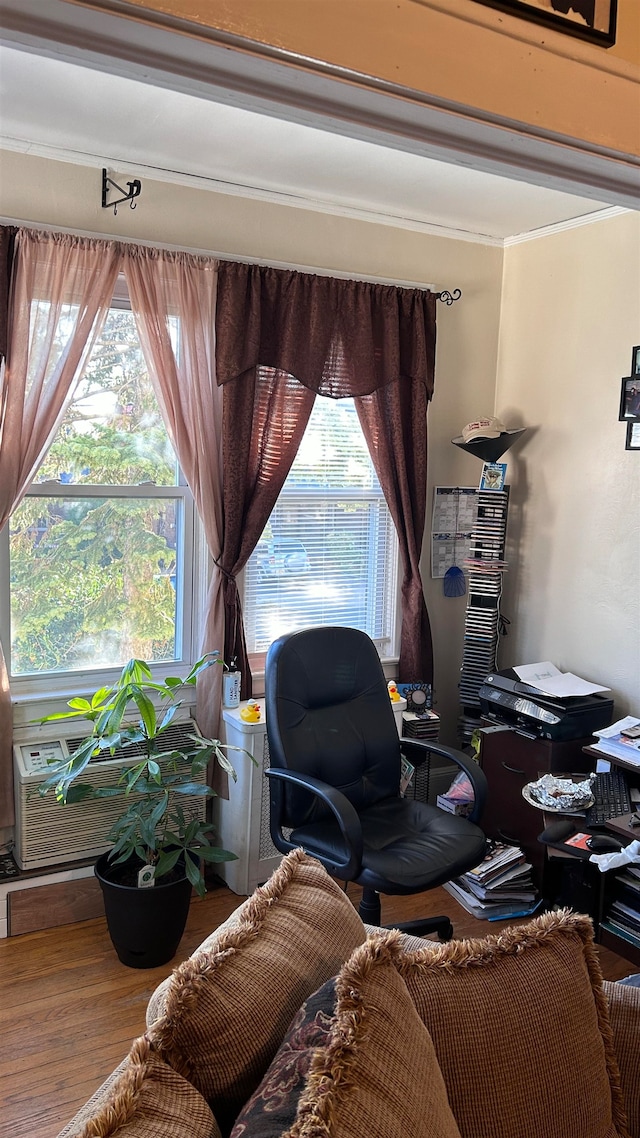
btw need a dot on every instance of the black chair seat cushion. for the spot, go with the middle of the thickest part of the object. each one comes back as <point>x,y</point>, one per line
<point>408,845</point>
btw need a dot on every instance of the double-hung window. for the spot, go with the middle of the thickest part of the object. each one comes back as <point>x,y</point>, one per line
<point>329,553</point>
<point>98,555</point>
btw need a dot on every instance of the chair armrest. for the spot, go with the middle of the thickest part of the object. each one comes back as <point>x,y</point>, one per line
<point>475,774</point>
<point>343,811</point>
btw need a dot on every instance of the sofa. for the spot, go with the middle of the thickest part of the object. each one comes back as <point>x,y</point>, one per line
<point>294,1020</point>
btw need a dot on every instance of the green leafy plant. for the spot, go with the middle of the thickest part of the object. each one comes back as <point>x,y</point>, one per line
<point>153,828</point>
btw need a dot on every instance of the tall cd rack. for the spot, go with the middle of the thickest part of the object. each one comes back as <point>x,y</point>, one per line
<point>485,566</point>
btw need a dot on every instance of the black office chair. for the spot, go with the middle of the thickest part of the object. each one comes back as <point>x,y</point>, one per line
<point>335,775</point>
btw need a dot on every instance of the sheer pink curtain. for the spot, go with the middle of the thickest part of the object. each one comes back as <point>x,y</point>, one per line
<point>59,297</point>
<point>162,286</point>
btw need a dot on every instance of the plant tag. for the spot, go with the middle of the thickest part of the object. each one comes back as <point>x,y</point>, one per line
<point>147,877</point>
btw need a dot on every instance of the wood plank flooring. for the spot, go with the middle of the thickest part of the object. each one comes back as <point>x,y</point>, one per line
<point>70,1010</point>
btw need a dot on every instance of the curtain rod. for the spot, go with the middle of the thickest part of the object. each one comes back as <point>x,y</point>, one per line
<point>446,296</point>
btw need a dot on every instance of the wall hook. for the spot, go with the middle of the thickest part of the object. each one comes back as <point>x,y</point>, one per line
<point>135,189</point>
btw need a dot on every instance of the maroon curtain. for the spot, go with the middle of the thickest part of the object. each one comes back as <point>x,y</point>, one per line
<point>281,338</point>
<point>264,417</point>
<point>7,243</point>
<point>394,423</point>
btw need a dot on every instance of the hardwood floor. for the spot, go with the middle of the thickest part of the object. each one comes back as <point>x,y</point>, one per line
<point>70,1009</point>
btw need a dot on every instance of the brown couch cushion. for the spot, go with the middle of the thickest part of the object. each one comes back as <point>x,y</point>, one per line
<point>624,1013</point>
<point>521,1030</point>
<point>148,1100</point>
<point>357,1062</point>
<point>227,1009</point>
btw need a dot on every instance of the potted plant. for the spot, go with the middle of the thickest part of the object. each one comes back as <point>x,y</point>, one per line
<point>158,845</point>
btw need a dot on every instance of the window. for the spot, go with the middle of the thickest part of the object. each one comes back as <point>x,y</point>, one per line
<point>101,547</point>
<point>328,554</point>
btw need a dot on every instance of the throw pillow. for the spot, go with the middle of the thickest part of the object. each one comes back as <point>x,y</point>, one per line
<point>624,1011</point>
<point>227,1009</point>
<point>272,1108</point>
<point>149,1100</point>
<point>356,1061</point>
<point>521,1030</point>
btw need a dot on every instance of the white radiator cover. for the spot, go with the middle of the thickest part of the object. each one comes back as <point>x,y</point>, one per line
<point>243,819</point>
<point>48,833</point>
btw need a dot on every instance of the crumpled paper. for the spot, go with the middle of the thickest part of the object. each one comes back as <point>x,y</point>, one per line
<point>630,855</point>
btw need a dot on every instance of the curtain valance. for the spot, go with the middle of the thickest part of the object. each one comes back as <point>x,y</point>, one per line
<point>337,337</point>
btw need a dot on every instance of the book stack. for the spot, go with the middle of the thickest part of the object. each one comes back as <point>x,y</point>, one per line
<point>420,725</point>
<point>499,888</point>
<point>620,741</point>
<point>623,914</point>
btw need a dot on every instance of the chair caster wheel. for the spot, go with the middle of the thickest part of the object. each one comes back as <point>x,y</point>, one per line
<point>446,932</point>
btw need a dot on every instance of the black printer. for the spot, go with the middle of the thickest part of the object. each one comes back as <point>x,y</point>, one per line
<point>506,699</point>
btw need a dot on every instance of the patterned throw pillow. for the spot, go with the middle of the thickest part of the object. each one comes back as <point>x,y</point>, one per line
<point>272,1108</point>
<point>228,1008</point>
<point>521,1029</point>
<point>357,1063</point>
<point>147,1100</point>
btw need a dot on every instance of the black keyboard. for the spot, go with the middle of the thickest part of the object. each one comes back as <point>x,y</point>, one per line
<point>611,795</point>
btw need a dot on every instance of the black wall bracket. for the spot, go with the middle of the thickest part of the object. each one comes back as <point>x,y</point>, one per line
<point>135,189</point>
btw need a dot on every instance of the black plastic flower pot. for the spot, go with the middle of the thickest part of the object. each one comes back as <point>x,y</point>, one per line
<point>145,925</point>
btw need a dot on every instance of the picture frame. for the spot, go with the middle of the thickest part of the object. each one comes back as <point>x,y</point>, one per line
<point>493,476</point>
<point>593,20</point>
<point>635,360</point>
<point>630,399</point>
<point>633,436</point>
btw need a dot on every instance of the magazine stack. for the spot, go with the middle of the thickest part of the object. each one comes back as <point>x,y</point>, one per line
<point>623,914</point>
<point>501,887</point>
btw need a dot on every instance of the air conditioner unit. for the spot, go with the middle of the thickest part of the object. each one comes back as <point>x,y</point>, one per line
<point>47,833</point>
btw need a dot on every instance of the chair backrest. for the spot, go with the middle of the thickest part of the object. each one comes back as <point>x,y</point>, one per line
<point>329,715</point>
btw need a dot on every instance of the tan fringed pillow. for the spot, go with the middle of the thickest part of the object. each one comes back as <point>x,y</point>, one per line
<point>521,1030</point>
<point>149,1100</point>
<point>228,1009</point>
<point>624,1012</point>
<point>356,1063</point>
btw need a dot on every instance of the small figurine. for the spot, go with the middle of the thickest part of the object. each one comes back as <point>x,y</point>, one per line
<point>394,694</point>
<point>251,712</point>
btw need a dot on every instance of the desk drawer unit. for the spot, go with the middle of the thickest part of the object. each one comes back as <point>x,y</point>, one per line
<point>509,761</point>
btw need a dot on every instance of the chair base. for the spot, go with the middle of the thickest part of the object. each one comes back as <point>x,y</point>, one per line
<point>440,925</point>
<point>370,913</point>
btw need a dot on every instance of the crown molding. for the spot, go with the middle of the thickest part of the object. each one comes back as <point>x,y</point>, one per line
<point>561,226</point>
<point>256,193</point>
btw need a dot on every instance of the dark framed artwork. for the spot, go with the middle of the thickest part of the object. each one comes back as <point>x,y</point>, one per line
<point>635,360</point>
<point>630,399</point>
<point>593,20</point>
<point>633,436</point>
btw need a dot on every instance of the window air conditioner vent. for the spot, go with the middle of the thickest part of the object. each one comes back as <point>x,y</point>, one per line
<point>50,834</point>
<point>174,737</point>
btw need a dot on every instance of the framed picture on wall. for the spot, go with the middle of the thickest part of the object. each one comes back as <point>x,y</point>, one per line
<point>591,19</point>
<point>633,436</point>
<point>630,398</point>
<point>635,360</point>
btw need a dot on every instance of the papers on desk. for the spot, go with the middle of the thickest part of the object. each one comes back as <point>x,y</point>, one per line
<point>549,680</point>
<point>612,742</point>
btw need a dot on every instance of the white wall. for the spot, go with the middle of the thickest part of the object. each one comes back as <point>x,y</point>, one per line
<point>36,190</point>
<point>570,317</point>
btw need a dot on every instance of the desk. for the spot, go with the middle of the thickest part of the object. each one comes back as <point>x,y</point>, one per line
<point>614,888</point>
<point>572,880</point>
<point>511,760</point>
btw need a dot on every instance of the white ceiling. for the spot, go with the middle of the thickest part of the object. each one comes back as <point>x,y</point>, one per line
<point>65,110</point>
